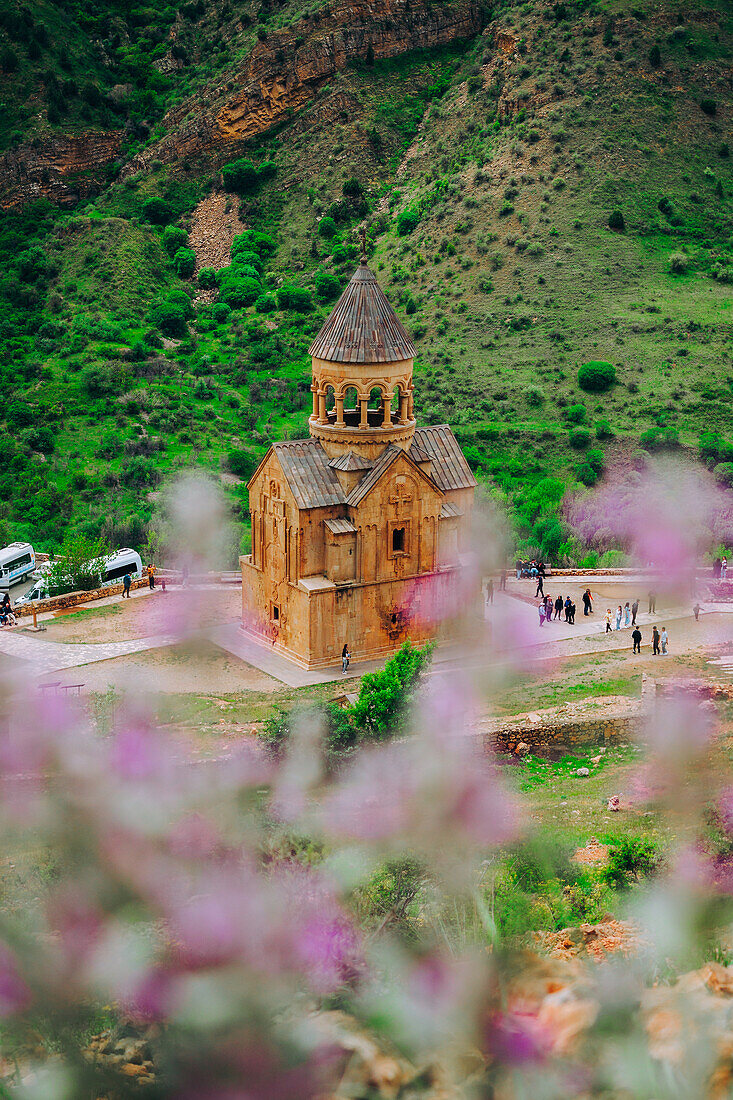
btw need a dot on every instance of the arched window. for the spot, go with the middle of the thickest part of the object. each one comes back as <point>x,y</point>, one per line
<point>375,398</point>
<point>398,540</point>
<point>330,398</point>
<point>351,398</point>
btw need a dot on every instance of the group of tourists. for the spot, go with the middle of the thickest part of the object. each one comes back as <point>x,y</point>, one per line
<point>7,618</point>
<point>529,568</point>
<point>660,640</point>
<point>720,569</point>
<point>626,615</point>
<point>556,610</point>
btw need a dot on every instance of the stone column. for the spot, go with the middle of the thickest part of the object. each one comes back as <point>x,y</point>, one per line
<point>363,405</point>
<point>411,405</point>
<point>340,422</point>
<point>387,422</point>
<point>403,407</point>
<point>322,417</point>
<point>314,391</point>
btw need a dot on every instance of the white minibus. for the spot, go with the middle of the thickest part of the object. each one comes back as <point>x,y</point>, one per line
<point>16,562</point>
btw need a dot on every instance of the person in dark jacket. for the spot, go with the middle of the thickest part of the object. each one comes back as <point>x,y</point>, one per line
<point>587,602</point>
<point>655,641</point>
<point>558,607</point>
<point>636,638</point>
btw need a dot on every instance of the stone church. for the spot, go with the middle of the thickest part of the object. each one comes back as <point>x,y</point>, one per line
<point>358,531</point>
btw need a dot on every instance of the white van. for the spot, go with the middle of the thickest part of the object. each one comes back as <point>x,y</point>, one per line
<point>17,561</point>
<point>119,563</point>
<point>114,568</point>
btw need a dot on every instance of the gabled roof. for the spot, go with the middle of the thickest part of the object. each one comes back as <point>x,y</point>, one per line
<point>448,466</point>
<point>312,481</point>
<point>340,526</point>
<point>380,467</point>
<point>350,462</point>
<point>449,510</point>
<point>362,327</point>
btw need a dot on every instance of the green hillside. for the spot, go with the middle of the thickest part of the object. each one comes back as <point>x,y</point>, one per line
<point>555,191</point>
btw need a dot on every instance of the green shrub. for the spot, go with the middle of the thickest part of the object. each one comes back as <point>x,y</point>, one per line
<point>170,316</point>
<point>174,238</point>
<point>579,438</point>
<point>384,696</point>
<point>603,429</point>
<point>261,244</point>
<point>240,176</point>
<point>710,445</point>
<point>594,458</point>
<point>352,187</point>
<point>678,263</point>
<point>184,262</point>
<point>655,57</point>
<point>631,859</point>
<point>328,285</point>
<point>410,304</point>
<point>327,228</point>
<point>207,278</point>
<point>534,396</point>
<point>616,221</point>
<point>709,106</point>
<point>659,439</point>
<point>596,376</point>
<point>243,463</point>
<point>587,474</point>
<point>406,222</point>
<point>294,297</point>
<point>266,303</point>
<point>239,292</point>
<point>576,414</point>
<point>157,211</point>
<point>724,473</point>
<point>221,312</point>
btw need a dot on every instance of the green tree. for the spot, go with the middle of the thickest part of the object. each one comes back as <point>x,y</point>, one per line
<point>239,292</point>
<point>327,285</point>
<point>79,564</point>
<point>174,238</point>
<point>184,262</point>
<point>327,228</point>
<point>384,696</point>
<point>240,176</point>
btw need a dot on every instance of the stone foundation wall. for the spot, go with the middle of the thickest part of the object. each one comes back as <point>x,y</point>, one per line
<point>557,737</point>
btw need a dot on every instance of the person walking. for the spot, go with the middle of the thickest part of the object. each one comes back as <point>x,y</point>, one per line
<point>618,617</point>
<point>636,639</point>
<point>126,586</point>
<point>634,611</point>
<point>723,568</point>
<point>664,639</point>
<point>572,613</point>
<point>540,586</point>
<point>655,641</point>
<point>608,621</point>
<point>558,607</point>
<point>627,614</point>
<point>567,605</point>
<point>490,591</point>
<point>345,658</point>
<point>716,569</point>
<point>151,576</point>
<point>587,602</point>
<point>696,610</point>
<point>502,582</point>
<point>652,603</point>
<point>542,610</point>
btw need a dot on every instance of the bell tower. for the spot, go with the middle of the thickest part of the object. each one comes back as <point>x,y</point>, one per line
<point>362,358</point>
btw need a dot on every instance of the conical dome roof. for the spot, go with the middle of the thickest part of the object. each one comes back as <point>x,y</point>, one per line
<point>362,327</point>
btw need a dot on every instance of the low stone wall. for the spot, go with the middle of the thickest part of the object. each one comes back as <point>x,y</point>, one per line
<point>73,599</point>
<point>556,738</point>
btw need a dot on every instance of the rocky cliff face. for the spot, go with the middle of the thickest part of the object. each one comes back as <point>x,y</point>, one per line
<point>63,169</point>
<point>281,74</point>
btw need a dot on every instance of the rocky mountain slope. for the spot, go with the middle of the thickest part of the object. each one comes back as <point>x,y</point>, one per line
<point>544,185</point>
